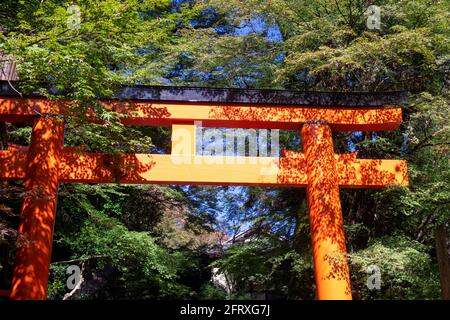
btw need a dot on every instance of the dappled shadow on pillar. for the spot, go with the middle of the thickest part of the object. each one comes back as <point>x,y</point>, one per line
<point>329,248</point>
<point>38,211</point>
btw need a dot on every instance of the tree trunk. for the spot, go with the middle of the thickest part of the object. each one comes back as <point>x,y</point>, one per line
<point>443,261</point>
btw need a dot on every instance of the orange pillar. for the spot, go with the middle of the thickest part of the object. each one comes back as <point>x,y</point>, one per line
<point>327,232</point>
<point>34,244</point>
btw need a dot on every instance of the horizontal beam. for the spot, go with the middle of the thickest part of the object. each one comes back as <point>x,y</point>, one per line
<point>206,170</point>
<point>218,115</point>
<point>235,95</point>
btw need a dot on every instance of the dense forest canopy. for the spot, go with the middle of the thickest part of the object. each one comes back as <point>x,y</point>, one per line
<point>161,242</point>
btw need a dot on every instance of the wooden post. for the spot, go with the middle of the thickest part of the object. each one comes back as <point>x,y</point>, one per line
<point>327,231</point>
<point>34,245</point>
<point>443,263</point>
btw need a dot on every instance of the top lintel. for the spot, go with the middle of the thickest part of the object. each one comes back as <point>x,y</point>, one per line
<point>265,97</point>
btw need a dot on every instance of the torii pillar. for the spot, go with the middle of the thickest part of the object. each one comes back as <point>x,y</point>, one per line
<point>33,253</point>
<point>325,214</point>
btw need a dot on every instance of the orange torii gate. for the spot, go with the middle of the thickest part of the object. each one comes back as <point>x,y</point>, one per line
<point>46,162</point>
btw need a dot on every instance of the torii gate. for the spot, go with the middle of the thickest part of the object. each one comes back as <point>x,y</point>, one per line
<point>46,163</point>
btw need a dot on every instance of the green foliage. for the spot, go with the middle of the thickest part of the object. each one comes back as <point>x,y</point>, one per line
<point>328,46</point>
<point>262,265</point>
<point>211,292</point>
<point>141,264</point>
<point>21,136</point>
<point>406,269</point>
<point>127,236</point>
<point>57,282</point>
<point>101,51</point>
<point>139,260</point>
<point>247,263</point>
